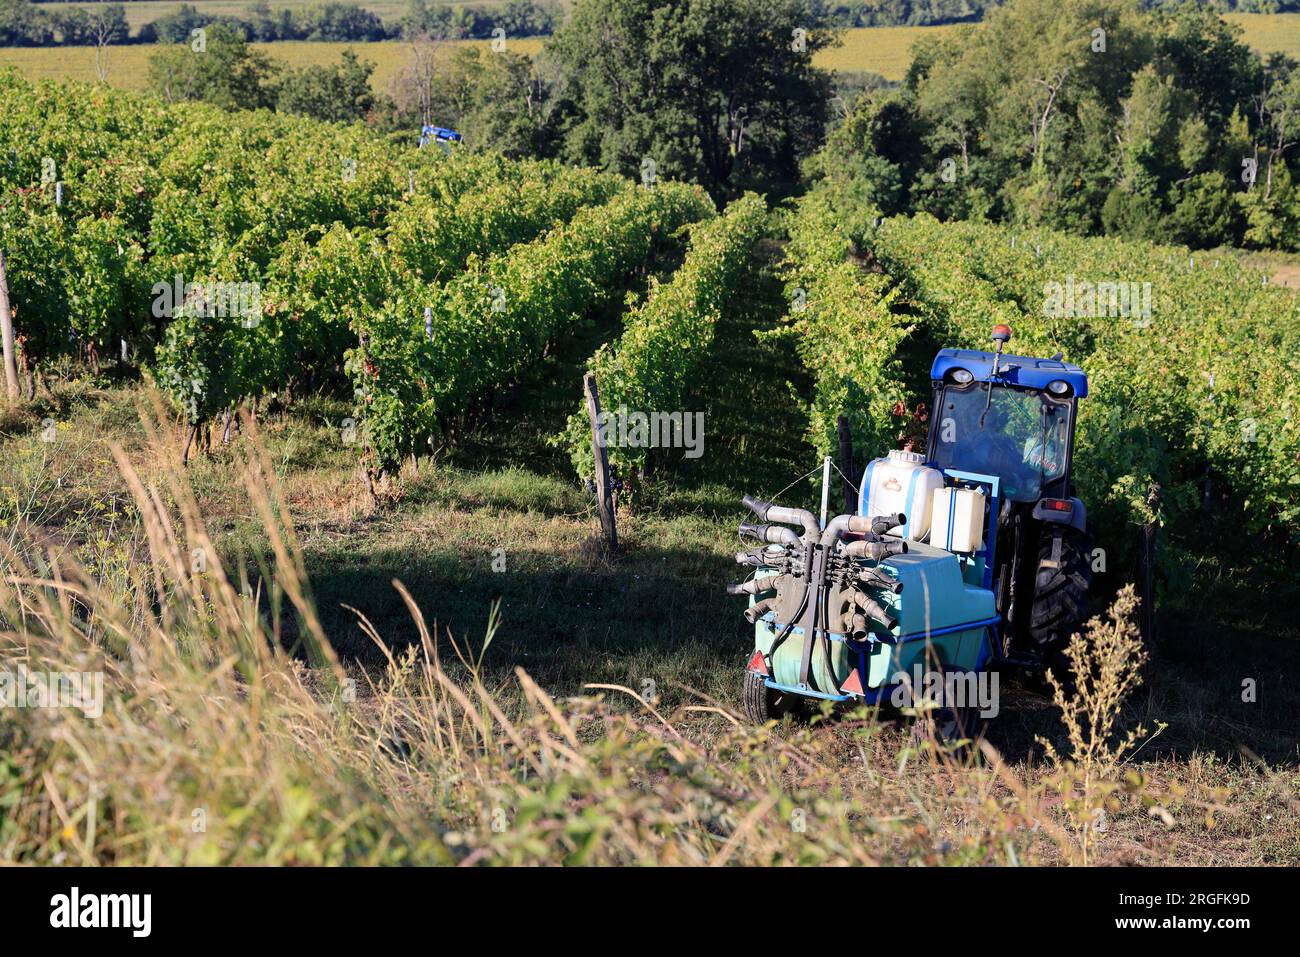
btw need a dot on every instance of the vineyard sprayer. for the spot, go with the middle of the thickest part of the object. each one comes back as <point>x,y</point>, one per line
<point>959,561</point>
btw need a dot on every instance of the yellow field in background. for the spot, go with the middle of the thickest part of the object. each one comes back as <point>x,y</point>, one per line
<point>128,67</point>
<point>887,50</point>
<point>883,50</point>
<point>1278,33</point>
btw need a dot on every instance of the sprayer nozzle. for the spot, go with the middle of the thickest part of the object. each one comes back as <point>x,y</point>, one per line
<point>883,523</point>
<point>875,610</point>
<point>877,579</point>
<point>876,550</point>
<point>758,610</point>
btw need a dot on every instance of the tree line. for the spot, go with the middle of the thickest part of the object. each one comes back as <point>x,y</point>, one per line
<point>26,23</point>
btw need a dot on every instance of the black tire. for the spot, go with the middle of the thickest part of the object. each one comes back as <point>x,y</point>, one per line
<point>946,725</point>
<point>762,704</point>
<point>1061,586</point>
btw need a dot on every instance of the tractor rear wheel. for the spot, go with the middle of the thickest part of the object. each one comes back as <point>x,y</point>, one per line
<point>762,704</point>
<point>1061,587</point>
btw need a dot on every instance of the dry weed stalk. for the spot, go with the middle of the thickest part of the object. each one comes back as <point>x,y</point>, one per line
<point>1105,663</point>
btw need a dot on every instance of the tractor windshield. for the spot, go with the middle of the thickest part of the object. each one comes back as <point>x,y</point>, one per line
<point>1022,437</point>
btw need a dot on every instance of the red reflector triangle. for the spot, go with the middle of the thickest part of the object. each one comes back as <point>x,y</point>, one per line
<point>757,664</point>
<point>852,684</point>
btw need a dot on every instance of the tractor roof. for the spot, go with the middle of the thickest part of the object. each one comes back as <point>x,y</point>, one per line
<point>1015,370</point>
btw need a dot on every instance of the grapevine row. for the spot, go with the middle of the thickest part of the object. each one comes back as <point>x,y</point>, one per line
<point>650,367</point>
<point>846,325</point>
<point>1204,379</point>
<point>491,321</point>
<point>103,195</point>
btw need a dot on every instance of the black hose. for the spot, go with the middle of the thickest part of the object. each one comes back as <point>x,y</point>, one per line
<point>826,644</point>
<point>789,625</point>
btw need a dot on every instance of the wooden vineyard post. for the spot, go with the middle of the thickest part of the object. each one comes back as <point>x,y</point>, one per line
<point>1146,570</point>
<point>7,333</point>
<point>847,469</point>
<point>604,487</point>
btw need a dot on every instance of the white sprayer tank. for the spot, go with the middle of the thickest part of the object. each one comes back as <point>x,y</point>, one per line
<point>901,482</point>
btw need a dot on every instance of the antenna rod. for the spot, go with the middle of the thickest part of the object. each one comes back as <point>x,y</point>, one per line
<point>826,487</point>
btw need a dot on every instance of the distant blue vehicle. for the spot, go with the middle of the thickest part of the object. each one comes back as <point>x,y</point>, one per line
<point>438,133</point>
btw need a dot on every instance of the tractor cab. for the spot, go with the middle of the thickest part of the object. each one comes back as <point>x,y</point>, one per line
<point>1003,426</point>
<point>1009,416</point>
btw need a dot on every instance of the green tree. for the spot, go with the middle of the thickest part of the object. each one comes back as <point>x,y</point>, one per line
<point>499,101</point>
<point>217,66</point>
<point>23,25</point>
<point>719,92</point>
<point>1272,217</point>
<point>1203,215</point>
<point>874,152</point>
<point>339,93</point>
<point>1095,115</point>
<point>1009,108</point>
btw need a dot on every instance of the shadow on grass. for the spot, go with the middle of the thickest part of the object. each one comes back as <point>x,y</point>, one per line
<point>652,614</point>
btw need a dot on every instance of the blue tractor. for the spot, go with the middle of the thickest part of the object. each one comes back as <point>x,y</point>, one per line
<point>958,561</point>
<point>440,135</point>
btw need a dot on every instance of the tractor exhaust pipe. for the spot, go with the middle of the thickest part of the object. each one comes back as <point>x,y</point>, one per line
<point>875,550</point>
<point>772,534</point>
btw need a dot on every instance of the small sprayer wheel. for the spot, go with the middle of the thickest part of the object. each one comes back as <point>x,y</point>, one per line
<point>761,703</point>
